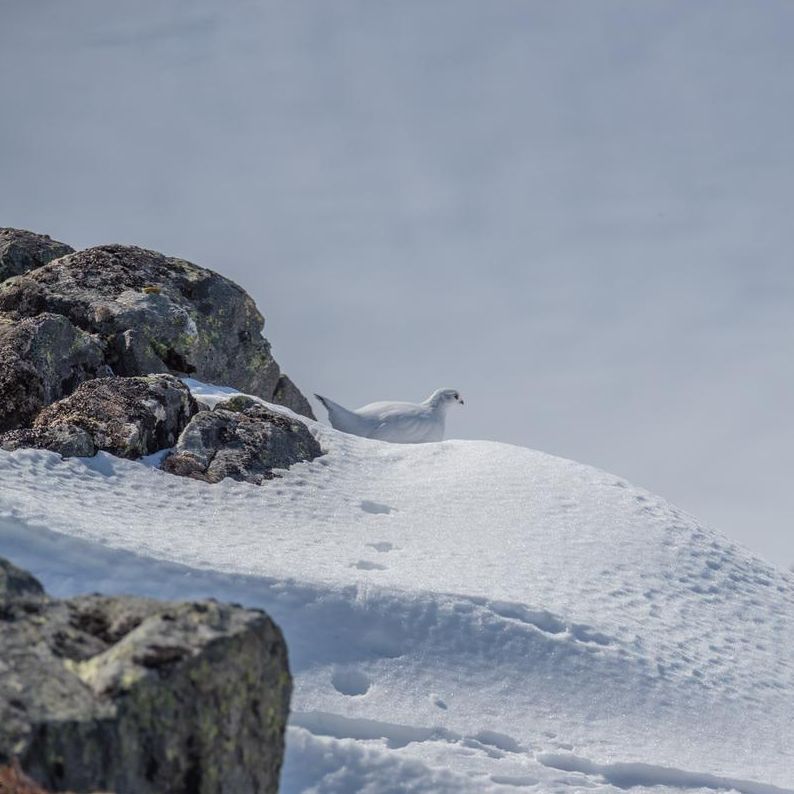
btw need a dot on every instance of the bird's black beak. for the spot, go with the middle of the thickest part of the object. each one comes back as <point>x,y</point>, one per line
<point>460,400</point>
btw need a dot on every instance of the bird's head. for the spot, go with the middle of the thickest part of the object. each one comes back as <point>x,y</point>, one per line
<point>445,397</point>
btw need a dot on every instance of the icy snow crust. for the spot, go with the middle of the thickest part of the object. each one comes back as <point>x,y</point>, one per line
<point>461,616</point>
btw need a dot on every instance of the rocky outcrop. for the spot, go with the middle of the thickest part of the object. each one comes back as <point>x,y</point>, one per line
<point>21,251</point>
<point>240,439</point>
<point>288,394</point>
<point>132,695</point>
<point>69,440</point>
<point>154,313</point>
<point>42,359</point>
<point>128,417</point>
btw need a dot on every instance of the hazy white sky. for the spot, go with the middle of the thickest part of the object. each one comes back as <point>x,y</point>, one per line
<point>577,213</point>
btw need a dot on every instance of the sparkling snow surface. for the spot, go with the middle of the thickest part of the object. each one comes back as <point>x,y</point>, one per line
<point>461,616</point>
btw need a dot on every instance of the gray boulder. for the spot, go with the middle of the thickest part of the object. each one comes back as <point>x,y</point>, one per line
<point>240,439</point>
<point>21,251</point>
<point>42,358</point>
<point>71,441</point>
<point>128,417</point>
<point>157,314</point>
<point>132,695</point>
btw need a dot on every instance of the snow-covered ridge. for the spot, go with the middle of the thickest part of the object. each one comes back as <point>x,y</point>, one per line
<point>460,616</point>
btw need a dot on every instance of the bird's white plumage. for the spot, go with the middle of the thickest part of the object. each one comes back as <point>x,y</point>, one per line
<point>398,422</point>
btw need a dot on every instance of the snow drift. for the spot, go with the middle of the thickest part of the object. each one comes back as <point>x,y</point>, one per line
<point>461,616</point>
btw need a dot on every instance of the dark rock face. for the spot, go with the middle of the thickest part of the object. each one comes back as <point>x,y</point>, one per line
<point>128,417</point>
<point>21,251</point>
<point>288,394</point>
<point>134,695</point>
<point>240,439</point>
<point>42,358</point>
<point>156,314</point>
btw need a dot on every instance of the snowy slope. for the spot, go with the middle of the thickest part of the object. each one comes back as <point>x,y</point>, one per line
<point>607,184</point>
<point>462,616</point>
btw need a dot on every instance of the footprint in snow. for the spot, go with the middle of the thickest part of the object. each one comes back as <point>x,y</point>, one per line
<point>382,546</point>
<point>376,508</point>
<point>351,682</point>
<point>438,702</point>
<point>589,635</point>
<point>366,565</point>
<point>501,741</point>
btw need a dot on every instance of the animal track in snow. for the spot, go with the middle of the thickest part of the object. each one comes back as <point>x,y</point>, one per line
<point>438,702</point>
<point>366,565</point>
<point>587,634</point>
<point>381,546</point>
<point>350,682</point>
<point>376,508</point>
<point>501,741</point>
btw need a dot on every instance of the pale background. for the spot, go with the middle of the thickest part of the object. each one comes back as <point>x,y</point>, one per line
<point>577,213</point>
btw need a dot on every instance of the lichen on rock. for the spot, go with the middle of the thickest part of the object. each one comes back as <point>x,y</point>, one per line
<point>67,439</point>
<point>240,439</point>
<point>130,694</point>
<point>128,417</point>
<point>43,358</point>
<point>155,313</point>
<point>22,251</point>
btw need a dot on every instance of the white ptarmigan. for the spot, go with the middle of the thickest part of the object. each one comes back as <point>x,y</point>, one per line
<point>400,423</point>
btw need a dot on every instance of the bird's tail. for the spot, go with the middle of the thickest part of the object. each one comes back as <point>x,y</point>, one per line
<point>325,401</point>
<point>339,416</point>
